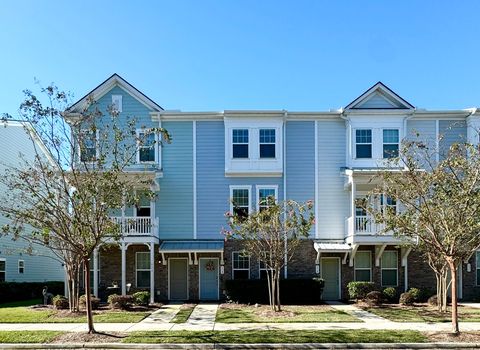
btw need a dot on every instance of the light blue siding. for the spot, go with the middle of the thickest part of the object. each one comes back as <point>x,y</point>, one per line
<point>213,189</point>
<point>333,199</point>
<point>422,130</point>
<point>40,266</point>
<point>174,206</point>
<point>451,131</point>
<point>378,101</point>
<point>300,159</point>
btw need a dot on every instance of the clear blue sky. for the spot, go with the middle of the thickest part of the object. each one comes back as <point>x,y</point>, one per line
<point>215,55</point>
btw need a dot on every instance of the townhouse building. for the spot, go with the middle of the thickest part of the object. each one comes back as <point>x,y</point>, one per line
<point>175,248</point>
<point>21,260</point>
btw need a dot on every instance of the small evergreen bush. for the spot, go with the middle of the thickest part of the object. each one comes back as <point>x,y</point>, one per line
<point>60,302</point>
<point>416,294</point>
<point>119,301</point>
<point>359,290</point>
<point>83,302</point>
<point>390,294</point>
<point>141,298</point>
<point>374,298</point>
<point>406,299</point>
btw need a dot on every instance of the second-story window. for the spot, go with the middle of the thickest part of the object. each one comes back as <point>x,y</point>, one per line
<point>388,204</point>
<point>390,143</point>
<point>88,146</point>
<point>146,147</point>
<point>240,143</point>
<point>266,196</point>
<point>267,143</point>
<point>363,143</point>
<point>240,201</point>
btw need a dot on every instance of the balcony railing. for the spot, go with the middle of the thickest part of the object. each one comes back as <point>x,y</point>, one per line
<point>362,225</point>
<point>133,225</point>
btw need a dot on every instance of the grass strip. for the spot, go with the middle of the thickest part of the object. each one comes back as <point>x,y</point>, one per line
<point>183,314</point>
<point>278,336</point>
<point>11,337</point>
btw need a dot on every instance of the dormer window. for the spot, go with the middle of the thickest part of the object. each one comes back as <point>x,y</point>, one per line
<point>117,103</point>
<point>390,143</point>
<point>267,143</point>
<point>240,143</point>
<point>147,146</point>
<point>363,143</point>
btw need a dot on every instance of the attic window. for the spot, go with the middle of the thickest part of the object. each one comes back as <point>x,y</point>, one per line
<point>117,102</point>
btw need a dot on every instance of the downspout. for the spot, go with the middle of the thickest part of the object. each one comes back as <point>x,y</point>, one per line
<point>285,114</point>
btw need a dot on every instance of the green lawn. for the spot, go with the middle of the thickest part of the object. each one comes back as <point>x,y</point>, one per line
<point>231,313</point>
<point>19,312</point>
<point>183,314</point>
<point>27,336</point>
<point>423,313</point>
<point>277,336</point>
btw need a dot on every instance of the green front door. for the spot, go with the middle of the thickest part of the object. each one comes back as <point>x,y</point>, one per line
<point>330,274</point>
<point>178,279</point>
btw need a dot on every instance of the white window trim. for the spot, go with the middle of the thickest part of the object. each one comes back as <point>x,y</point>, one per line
<point>97,150</point>
<point>135,208</point>
<point>137,269</point>
<point>249,132</point>
<point>265,187</point>
<point>19,267</point>
<point>241,187</point>
<point>119,98</point>
<point>268,143</point>
<point>4,271</point>
<point>390,143</point>
<point>356,143</point>
<point>355,268</point>
<point>238,269</point>
<point>155,147</point>
<point>260,268</point>
<point>389,269</point>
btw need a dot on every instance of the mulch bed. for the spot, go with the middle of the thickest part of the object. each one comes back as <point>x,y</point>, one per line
<point>463,337</point>
<point>81,337</point>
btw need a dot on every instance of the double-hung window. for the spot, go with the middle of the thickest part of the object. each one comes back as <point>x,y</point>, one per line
<point>146,146</point>
<point>240,143</point>
<point>363,266</point>
<point>389,266</point>
<point>363,143</point>
<point>266,196</point>
<point>267,143</point>
<point>142,267</point>
<point>388,204</point>
<point>240,201</point>
<point>3,267</point>
<point>390,143</point>
<point>240,266</point>
<point>21,266</point>
<point>142,208</point>
<point>88,145</point>
<point>262,266</point>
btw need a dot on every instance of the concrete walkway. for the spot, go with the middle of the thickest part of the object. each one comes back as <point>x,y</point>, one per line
<point>203,319</point>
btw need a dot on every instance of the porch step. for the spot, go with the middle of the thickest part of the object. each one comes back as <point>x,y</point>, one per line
<point>165,314</point>
<point>362,315</point>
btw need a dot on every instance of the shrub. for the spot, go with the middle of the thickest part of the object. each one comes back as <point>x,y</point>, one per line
<point>15,291</point>
<point>60,302</point>
<point>390,294</point>
<point>416,294</point>
<point>359,290</point>
<point>141,298</point>
<point>292,291</point>
<point>83,302</point>
<point>374,298</point>
<point>119,301</point>
<point>406,299</point>
<point>432,300</point>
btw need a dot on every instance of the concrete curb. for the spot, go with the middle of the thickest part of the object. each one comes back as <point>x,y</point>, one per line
<point>308,346</point>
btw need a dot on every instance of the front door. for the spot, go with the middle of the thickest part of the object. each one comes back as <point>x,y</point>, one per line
<point>208,279</point>
<point>331,275</point>
<point>178,279</point>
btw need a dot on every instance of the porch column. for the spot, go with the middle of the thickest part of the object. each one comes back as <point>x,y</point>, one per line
<point>152,272</point>
<point>124,268</point>
<point>352,208</point>
<point>95,272</point>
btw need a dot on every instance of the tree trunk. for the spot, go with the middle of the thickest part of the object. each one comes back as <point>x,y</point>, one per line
<point>453,272</point>
<point>88,301</point>
<point>269,286</point>
<point>278,291</point>
<point>439,291</point>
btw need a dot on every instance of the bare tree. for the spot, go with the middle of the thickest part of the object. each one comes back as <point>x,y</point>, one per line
<point>440,207</point>
<point>272,234</point>
<point>77,178</point>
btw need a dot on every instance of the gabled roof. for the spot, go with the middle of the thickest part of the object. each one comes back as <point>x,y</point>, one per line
<point>107,85</point>
<point>379,96</point>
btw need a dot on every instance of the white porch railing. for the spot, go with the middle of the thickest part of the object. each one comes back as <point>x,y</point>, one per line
<point>362,225</point>
<point>133,225</point>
